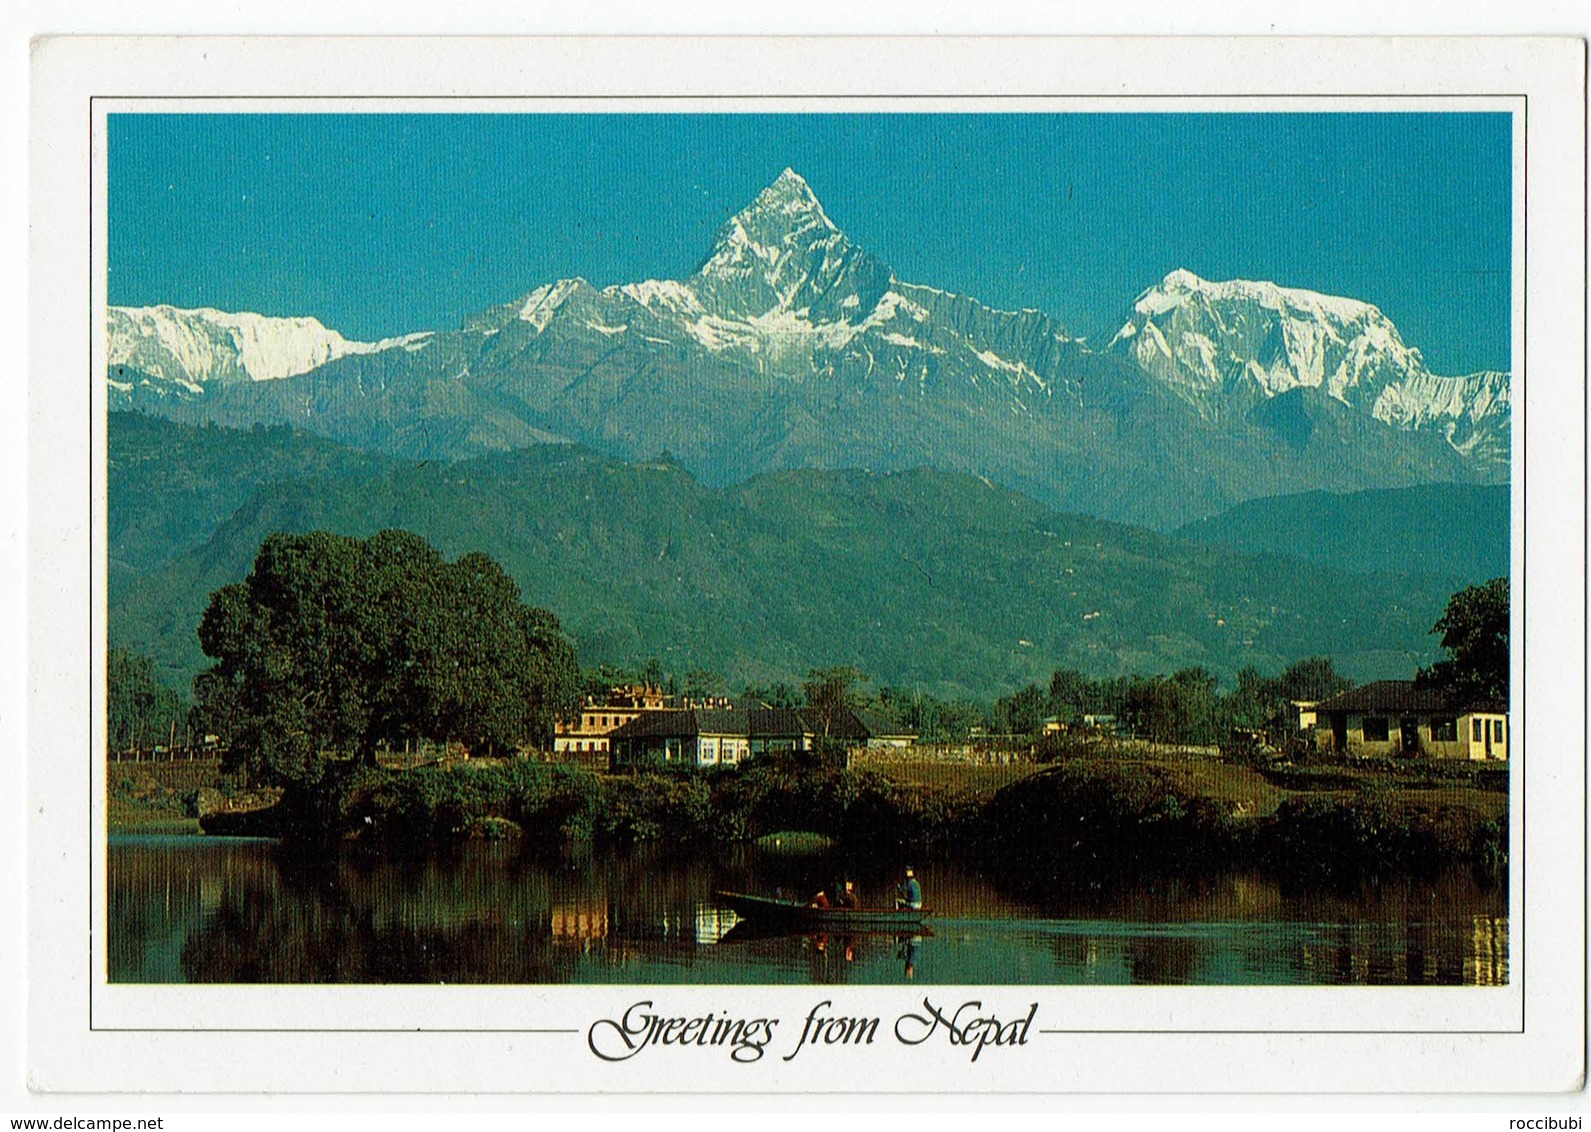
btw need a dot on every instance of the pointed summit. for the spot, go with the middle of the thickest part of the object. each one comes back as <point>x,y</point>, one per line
<point>785,215</point>
<point>782,252</point>
<point>790,195</point>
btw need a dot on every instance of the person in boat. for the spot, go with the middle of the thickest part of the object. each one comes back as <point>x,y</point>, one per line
<point>846,898</point>
<point>821,900</point>
<point>910,893</point>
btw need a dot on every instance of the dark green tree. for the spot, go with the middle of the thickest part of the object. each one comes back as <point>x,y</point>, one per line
<point>335,645</point>
<point>1253,700</point>
<point>1181,708</point>
<point>1022,713</point>
<point>777,695</point>
<point>1260,701</point>
<point>1313,678</point>
<point>830,693</point>
<point>1474,630</point>
<point>140,711</point>
<point>1072,695</point>
<point>700,683</point>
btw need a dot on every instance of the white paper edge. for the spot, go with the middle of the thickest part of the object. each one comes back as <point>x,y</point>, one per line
<point>1546,70</point>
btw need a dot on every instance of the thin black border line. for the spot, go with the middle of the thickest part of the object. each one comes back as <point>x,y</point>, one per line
<point>93,271</point>
<point>1524,557</point>
<point>364,1030</point>
<point>1585,547</point>
<point>509,1030</point>
<point>1520,462</point>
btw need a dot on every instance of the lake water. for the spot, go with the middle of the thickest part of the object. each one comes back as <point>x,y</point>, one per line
<point>198,909</point>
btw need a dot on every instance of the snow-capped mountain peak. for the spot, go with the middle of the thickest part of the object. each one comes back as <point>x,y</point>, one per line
<point>791,345</point>
<point>190,348</point>
<point>1206,339</point>
<point>783,253</point>
<point>1224,346</point>
<point>1181,285</point>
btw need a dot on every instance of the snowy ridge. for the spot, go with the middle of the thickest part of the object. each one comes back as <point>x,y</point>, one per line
<point>1220,345</point>
<point>784,298</point>
<point>1424,398</point>
<point>542,304</point>
<point>660,294</point>
<point>1197,335</point>
<point>189,348</point>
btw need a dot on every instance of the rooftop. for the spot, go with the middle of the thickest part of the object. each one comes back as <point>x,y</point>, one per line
<point>1401,696</point>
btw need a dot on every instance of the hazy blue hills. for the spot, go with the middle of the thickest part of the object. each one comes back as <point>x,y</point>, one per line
<point>922,578</point>
<point>1450,529</point>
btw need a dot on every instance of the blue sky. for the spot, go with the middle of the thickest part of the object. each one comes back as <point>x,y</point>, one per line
<point>383,224</point>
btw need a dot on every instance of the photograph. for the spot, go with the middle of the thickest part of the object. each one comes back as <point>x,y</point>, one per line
<point>1046,546</point>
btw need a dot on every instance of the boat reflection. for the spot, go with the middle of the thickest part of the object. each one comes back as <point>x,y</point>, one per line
<point>850,946</point>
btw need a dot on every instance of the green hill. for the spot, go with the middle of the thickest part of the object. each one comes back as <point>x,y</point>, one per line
<point>1452,529</point>
<point>170,485</point>
<point>921,578</point>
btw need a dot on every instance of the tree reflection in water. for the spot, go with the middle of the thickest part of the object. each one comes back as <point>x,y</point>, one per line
<point>219,911</point>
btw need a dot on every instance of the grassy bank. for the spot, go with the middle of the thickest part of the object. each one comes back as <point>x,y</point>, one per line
<point>1124,809</point>
<point>1163,809</point>
<point>176,797</point>
<point>1204,813</point>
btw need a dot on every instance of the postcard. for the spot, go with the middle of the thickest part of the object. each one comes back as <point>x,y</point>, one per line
<point>808,566</point>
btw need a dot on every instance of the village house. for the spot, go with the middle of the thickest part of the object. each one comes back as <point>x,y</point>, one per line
<point>863,729</point>
<point>719,736</point>
<point>779,731</point>
<point>1394,717</point>
<point>586,740</point>
<point>689,738</point>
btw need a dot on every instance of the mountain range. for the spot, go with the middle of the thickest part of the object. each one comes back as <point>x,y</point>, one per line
<point>928,579</point>
<point>790,347</point>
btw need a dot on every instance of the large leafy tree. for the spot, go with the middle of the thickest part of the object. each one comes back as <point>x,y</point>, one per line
<point>335,645</point>
<point>1474,630</point>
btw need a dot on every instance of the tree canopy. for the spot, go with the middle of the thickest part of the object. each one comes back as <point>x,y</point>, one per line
<point>337,645</point>
<point>140,711</point>
<point>1474,630</point>
<point>831,692</point>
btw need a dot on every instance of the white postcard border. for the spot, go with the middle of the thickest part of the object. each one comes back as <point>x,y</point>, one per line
<point>485,1039</point>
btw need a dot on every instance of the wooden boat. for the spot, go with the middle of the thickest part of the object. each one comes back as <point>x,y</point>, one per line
<point>769,910</point>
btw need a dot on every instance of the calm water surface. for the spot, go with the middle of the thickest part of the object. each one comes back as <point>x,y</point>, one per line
<point>198,909</point>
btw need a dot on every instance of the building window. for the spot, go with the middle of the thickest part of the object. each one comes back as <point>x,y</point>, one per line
<point>1444,731</point>
<point>1477,731</point>
<point>1497,731</point>
<point>1375,729</point>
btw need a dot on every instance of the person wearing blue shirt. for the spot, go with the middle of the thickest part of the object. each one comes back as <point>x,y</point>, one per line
<point>910,892</point>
